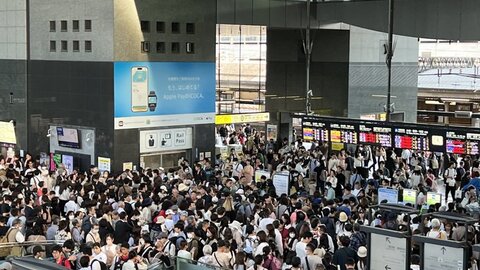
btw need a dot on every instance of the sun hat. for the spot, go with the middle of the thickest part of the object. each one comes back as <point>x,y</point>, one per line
<point>362,252</point>
<point>343,217</point>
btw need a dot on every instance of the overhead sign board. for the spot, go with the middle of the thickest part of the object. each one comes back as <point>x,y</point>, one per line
<point>221,119</point>
<point>388,252</point>
<point>160,140</point>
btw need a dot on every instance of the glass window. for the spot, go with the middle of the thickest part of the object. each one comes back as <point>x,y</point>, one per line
<point>160,27</point>
<point>63,26</point>
<point>53,26</point>
<point>190,47</point>
<point>76,25</point>
<point>190,28</point>
<point>175,47</point>
<point>76,46</point>
<point>145,26</point>
<point>145,46</point>
<point>160,47</point>
<point>175,27</point>
<point>64,46</point>
<point>88,45</point>
<point>88,25</point>
<point>241,68</point>
<point>53,46</point>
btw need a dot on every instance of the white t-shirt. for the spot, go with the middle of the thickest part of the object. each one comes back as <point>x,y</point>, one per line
<point>184,254</point>
<point>300,249</point>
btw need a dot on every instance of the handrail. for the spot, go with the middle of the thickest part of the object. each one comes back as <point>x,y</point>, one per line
<point>32,243</point>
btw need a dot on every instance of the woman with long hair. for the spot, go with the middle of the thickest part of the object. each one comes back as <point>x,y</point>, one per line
<point>258,262</point>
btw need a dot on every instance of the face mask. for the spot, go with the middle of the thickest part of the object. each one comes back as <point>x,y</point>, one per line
<point>292,235</point>
<point>71,217</point>
<point>209,234</point>
<point>190,235</point>
<point>94,230</point>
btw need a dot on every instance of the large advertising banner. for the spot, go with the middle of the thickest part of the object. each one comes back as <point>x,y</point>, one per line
<point>153,94</point>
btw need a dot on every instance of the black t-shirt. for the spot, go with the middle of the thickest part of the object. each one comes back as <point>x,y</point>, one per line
<point>3,230</point>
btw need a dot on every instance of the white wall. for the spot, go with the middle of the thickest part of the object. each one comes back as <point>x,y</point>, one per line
<point>13,29</point>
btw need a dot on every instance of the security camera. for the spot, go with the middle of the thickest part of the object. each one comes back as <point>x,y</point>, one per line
<point>310,93</point>
<point>49,134</point>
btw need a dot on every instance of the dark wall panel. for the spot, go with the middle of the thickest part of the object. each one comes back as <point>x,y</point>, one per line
<point>244,11</point>
<point>71,93</point>
<point>261,12</point>
<point>286,75</point>
<point>13,80</point>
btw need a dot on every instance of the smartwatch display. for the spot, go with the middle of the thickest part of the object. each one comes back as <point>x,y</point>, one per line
<point>152,101</point>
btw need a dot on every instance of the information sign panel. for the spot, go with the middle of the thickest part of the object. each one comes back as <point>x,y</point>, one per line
<point>280,182</point>
<point>442,257</point>
<point>388,252</point>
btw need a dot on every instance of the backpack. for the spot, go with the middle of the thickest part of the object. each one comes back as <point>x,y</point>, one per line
<point>5,251</point>
<point>460,174</point>
<point>103,266</point>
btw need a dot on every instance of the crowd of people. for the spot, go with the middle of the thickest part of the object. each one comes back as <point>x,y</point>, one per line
<point>215,213</point>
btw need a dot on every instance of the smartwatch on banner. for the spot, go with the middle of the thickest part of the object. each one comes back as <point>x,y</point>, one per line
<point>152,101</point>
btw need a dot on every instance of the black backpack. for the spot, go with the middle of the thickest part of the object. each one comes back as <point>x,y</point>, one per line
<point>103,266</point>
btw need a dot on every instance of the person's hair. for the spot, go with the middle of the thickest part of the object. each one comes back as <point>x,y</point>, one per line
<point>311,247</point>
<point>207,250</point>
<point>69,244</point>
<point>296,262</point>
<point>96,245</point>
<point>57,248</point>
<point>307,234</point>
<point>132,254</point>
<point>240,258</point>
<point>258,261</point>
<point>344,240</point>
<point>350,261</point>
<point>84,261</point>
<point>262,236</point>
<point>183,244</point>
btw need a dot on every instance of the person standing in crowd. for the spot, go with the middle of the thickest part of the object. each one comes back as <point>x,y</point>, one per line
<point>450,176</point>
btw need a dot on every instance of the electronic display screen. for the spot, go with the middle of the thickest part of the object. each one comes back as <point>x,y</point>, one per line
<point>455,143</point>
<point>315,130</point>
<point>375,135</point>
<point>343,133</point>
<point>415,139</point>
<point>472,143</point>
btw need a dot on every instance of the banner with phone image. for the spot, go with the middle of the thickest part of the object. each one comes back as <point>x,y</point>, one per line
<point>152,94</point>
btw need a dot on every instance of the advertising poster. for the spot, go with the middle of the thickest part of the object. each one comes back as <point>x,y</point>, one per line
<point>104,164</point>
<point>68,163</point>
<point>57,159</point>
<point>152,94</point>
<point>272,132</point>
<point>127,166</point>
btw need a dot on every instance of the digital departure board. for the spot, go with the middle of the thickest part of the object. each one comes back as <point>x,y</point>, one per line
<point>315,130</point>
<point>456,143</point>
<point>343,133</point>
<point>415,139</point>
<point>472,142</point>
<point>375,135</point>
